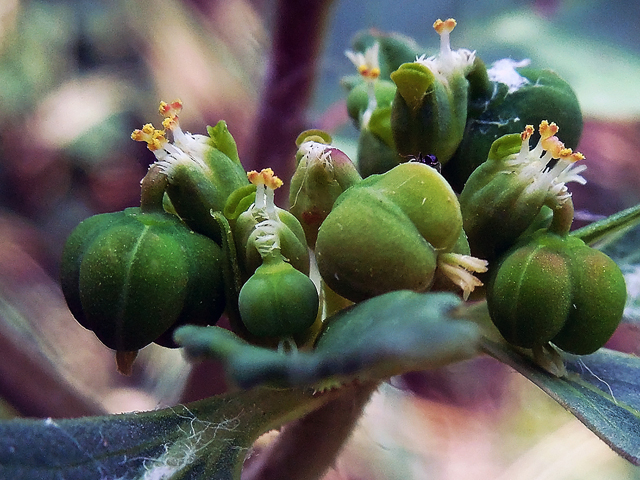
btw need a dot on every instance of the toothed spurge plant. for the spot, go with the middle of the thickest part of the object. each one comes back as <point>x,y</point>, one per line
<point>413,257</point>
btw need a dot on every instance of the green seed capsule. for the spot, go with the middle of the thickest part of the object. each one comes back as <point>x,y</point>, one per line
<point>599,296</point>
<point>278,300</point>
<point>386,232</point>
<point>556,289</point>
<point>129,276</point>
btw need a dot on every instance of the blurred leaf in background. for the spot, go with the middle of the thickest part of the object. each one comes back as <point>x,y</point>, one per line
<point>77,77</point>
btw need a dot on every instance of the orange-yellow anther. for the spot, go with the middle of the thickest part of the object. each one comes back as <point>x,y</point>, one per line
<point>370,73</point>
<point>264,177</point>
<point>170,109</point>
<point>442,26</point>
<point>547,129</point>
<point>570,156</point>
<point>154,138</point>
<point>170,122</point>
<point>367,63</point>
<point>526,134</point>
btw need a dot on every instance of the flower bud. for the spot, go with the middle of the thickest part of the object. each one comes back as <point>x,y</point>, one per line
<point>358,99</point>
<point>202,170</point>
<point>505,195</point>
<point>289,233</point>
<point>322,174</point>
<point>557,289</point>
<point>518,96</point>
<point>430,107</point>
<point>129,276</point>
<point>389,232</point>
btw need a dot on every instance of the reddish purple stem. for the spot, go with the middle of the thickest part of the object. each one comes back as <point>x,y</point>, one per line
<point>292,68</point>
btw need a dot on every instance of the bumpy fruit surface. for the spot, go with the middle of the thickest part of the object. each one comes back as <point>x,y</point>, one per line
<point>278,300</point>
<point>129,276</point>
<point>385,233</point>
<point>557,289</point>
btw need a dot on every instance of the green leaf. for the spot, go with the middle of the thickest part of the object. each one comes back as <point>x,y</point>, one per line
<point>609,230</point>
<point>221,139</point>
<point>601,390</point>
<point>206,439</point>
<point>387,335</point>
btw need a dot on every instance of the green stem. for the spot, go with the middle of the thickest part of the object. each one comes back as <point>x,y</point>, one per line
<point>307,447</point>
<point>152,190</point>
<point>562,218</point>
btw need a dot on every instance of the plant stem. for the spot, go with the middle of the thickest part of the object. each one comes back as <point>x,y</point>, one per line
<point>152,190</point>
<point>289,80</point>
<point>307,447</point>
<point>562,218</point>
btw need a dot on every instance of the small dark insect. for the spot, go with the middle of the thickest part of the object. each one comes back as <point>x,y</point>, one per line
<point>428,159</point>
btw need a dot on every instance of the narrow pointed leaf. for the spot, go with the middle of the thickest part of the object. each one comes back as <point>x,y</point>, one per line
<point>601,390</point>
<point>607,230</point>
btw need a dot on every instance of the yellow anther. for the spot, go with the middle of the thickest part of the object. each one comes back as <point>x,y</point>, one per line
<point>158,141</point>
<point>565,152</point>
<point>547,129</point>
<point>570,156</point>
<point>170,109</point>
<point>264,177</point>
<point>526,134</point>
<point>155,139</point>
<point>442,26</point>
<point>138,135</point>
<point>373,73</point>
<point>367,72</point>
<point>170,122</point>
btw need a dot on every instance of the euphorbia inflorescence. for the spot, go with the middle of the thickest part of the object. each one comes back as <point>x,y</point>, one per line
<point>549,165</point>
<point>505,195</point>
<point>186,147</point>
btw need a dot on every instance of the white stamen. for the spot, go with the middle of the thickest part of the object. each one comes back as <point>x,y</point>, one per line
<point>265,237</point>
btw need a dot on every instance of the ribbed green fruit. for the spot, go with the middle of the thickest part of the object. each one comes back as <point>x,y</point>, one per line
<point>557,289</point>
<point>385,233</point>
<point>129,276</point>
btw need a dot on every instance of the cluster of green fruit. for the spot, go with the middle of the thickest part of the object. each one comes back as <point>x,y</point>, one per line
<point>208,238</point>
